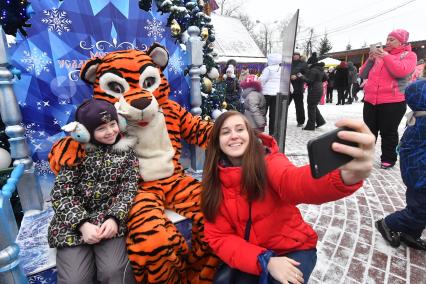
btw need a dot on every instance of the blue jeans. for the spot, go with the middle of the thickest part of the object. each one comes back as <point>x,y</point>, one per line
<point>306,258</point>
<point>412,219</point>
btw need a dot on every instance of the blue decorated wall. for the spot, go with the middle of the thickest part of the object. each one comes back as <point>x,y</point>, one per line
<point>63,35</point>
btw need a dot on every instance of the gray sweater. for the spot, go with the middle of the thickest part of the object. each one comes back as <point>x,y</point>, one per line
<point>255,107</point>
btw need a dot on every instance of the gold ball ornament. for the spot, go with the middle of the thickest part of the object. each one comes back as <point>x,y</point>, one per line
<point>207,118</point>
<point>204,33</point>
<point>224,105</point>
<point>207,85</point>
<point>175,28</point>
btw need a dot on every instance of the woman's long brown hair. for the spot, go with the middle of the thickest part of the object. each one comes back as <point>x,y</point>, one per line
<point>253,168</point>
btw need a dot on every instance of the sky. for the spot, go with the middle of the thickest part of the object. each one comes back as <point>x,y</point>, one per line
<point>340,18</point>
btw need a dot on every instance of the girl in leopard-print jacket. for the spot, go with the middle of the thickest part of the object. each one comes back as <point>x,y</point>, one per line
<point>102,187</point>
<point>92,201</point>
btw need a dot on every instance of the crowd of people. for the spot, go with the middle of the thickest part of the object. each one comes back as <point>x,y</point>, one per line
<point>250,189</point>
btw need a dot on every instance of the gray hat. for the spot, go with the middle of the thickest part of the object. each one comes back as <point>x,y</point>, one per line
<point>93,113</point>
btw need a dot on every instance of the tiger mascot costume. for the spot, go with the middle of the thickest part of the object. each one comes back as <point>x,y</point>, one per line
<point>134,81</point>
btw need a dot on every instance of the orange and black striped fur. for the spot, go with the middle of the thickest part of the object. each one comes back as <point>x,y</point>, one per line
<point>157,251</point>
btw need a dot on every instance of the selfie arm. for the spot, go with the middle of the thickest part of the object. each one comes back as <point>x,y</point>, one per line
<point>296,185</point>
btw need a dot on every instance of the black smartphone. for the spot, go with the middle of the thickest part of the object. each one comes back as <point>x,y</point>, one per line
<point>322,158</point>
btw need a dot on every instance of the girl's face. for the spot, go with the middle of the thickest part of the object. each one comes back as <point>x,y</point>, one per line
<point>234,139</point>
<point>392,42</point>
<point>107,133</point>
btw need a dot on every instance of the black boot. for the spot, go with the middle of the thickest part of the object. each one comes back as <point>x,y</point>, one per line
<point>412,242</point>
<point>392,237</point>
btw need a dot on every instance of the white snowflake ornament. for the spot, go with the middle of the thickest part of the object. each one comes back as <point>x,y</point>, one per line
<point>155,29</point>
<point>56,21</point>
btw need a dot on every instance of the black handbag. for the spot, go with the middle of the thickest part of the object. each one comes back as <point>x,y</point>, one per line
<point>224,273</point>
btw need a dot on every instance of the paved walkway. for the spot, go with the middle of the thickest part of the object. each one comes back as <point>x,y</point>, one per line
<point>350,249</point>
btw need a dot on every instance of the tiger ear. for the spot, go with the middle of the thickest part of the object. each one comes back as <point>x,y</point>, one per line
<point>88,71</point>
<point>159,55</point>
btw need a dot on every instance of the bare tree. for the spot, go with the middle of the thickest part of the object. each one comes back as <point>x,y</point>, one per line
<point>230,7</point>
<point>308,43</point>
<point>259,38</point>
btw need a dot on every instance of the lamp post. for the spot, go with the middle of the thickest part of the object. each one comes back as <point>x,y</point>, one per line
<point>266,34</point>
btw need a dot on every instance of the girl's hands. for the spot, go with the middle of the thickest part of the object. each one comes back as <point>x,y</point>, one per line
<point>362,164</point>
<point>109,229</point>
<point>284,270</point>
<point>90,233</point>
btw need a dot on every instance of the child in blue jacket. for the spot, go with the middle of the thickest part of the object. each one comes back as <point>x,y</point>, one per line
<point>408,224</point>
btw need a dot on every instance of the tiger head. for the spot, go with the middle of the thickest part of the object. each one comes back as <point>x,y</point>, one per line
<point>132,78</point>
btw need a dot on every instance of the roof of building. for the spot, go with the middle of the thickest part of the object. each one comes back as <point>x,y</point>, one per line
<point>234,41</point>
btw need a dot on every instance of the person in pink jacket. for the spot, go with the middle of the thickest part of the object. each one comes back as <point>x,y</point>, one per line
<point>245,167</point>
<point>388,71</point>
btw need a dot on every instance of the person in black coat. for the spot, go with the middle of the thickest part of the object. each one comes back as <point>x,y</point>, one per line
<point>331,72</point>
<point>314,78</point>
<point>298,66</point>
<point>341,81</point>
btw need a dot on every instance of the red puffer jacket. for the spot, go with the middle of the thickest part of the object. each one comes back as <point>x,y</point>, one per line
<point>389,76</point>
<point>276,221</point>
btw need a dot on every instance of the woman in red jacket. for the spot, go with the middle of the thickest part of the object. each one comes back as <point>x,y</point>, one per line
<point>243,167</point>
<point>388,72</point>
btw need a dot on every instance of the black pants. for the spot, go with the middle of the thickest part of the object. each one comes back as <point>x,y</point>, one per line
<point>341,95</point>
<point>270,104</point>
<point>329,97</point>
<point>348,93</point>
<point>314,116</point>
<point>385,118</point>
<point>300,109</point>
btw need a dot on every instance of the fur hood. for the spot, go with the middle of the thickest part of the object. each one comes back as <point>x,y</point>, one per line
<point>254,84</point>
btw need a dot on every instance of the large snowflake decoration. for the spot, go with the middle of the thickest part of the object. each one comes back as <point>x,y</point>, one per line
<point>42,168</point>
<point>56,20</point>
<point>155,28</point>
<point>36,61</point>
<point>175,64</point>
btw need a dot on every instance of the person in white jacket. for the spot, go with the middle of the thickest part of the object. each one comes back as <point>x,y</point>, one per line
<point>270,79</point>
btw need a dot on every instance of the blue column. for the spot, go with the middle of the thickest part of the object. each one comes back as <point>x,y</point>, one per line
<point>195,53</point>
<point>28,188</point>
<point>10,270</point>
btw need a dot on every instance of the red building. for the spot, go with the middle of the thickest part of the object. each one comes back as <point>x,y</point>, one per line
<point>358,56</point>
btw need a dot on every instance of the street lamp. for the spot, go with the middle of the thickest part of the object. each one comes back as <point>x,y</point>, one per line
<point>266,34</point>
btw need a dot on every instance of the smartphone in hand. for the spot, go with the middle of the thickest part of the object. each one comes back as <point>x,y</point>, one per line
<point>322,158</point>
<point>375,46</point>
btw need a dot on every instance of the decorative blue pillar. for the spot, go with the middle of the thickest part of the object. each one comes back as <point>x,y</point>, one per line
<point>195,50</point>
<point>28,188</point>
<point>10,270</point>
<point>195,53</point>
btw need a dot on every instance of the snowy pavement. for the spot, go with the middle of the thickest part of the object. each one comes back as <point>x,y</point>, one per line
<point>350,249</point>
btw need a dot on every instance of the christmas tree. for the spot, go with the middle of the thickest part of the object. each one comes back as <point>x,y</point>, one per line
<point>13,16</point>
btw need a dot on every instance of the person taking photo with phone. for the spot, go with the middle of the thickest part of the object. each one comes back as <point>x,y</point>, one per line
<point>388,71</point>
<point>250,195</point>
